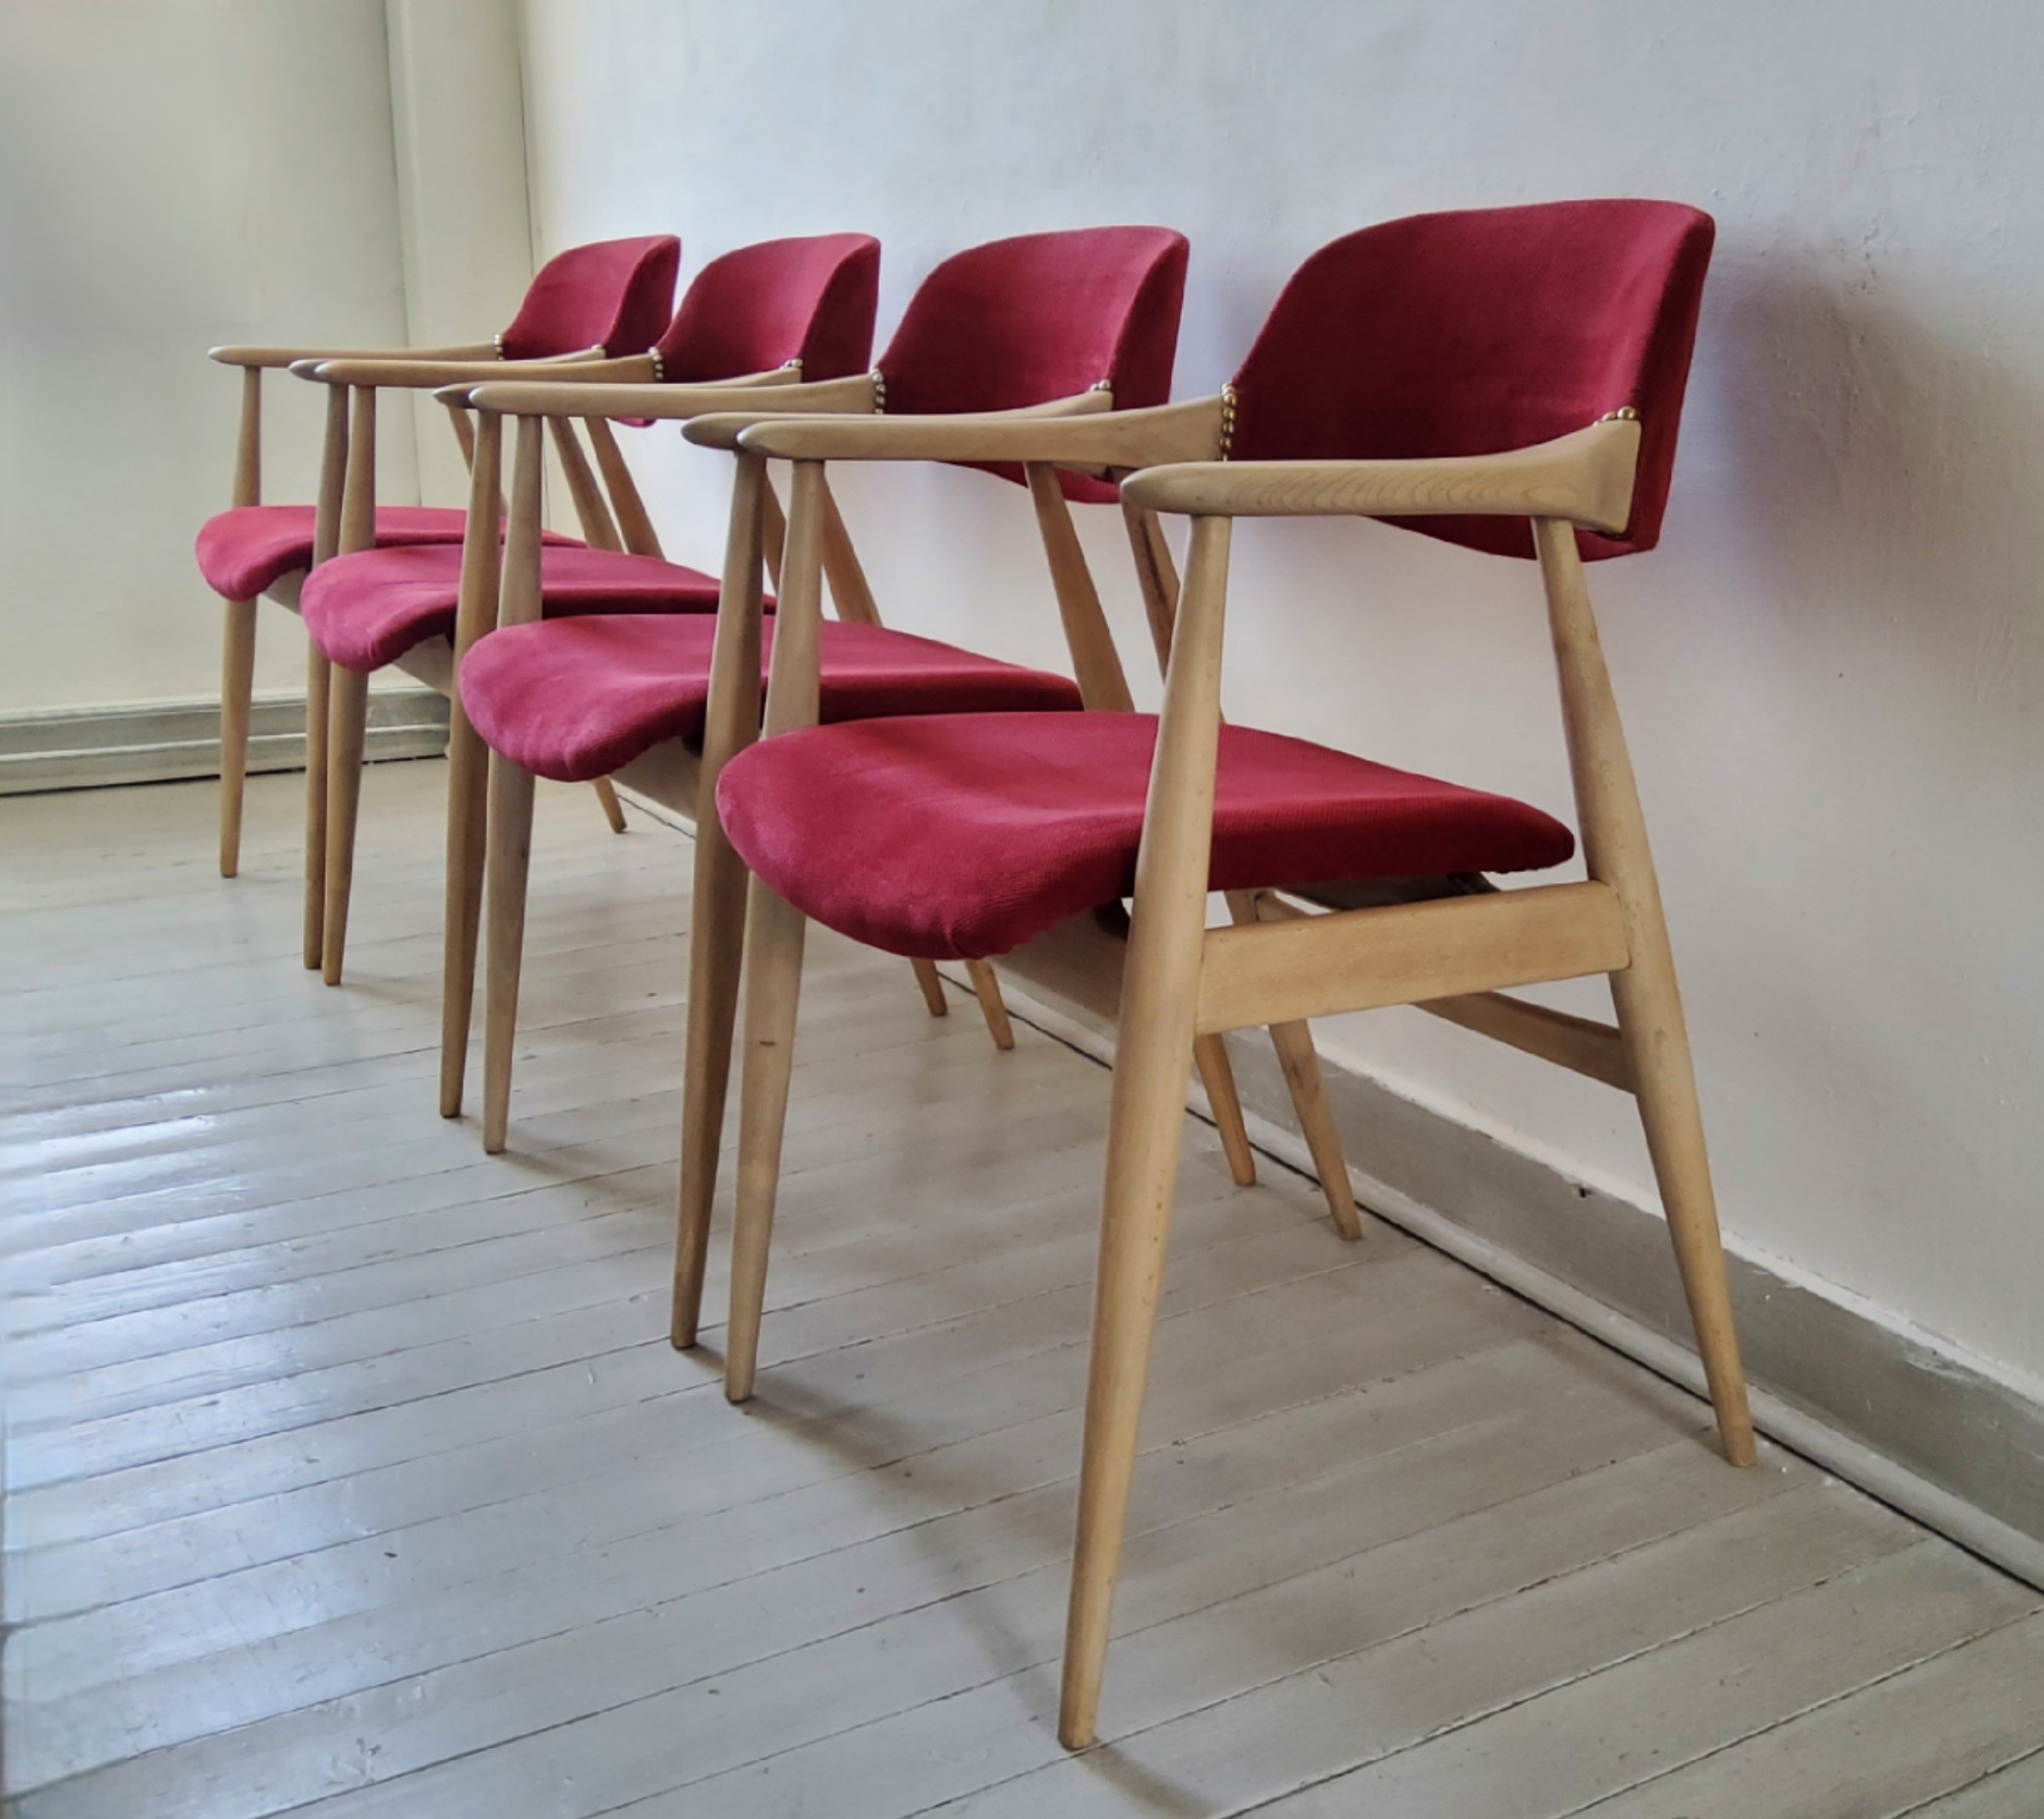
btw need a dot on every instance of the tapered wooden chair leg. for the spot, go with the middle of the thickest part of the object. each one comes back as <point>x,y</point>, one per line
<point>1300,1065</point>
<point>348,722</point>
<point>716,950</point>
<point>1217,1076</point>
<point>467,819</point>
<point>237,690</point>
<point>613,809</point>
<point>1656,1037</point>
<point>932,988</point>
<point>986,987</point>
<point>318,689</point>
<point>510,859</point>
<point>773,939</point>
<point>1151,1070</point>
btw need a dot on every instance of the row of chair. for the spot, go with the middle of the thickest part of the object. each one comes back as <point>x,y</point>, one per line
<point>1509,380</point>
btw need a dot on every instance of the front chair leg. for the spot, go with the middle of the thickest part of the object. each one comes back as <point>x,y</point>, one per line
<point>237,692</point>
<point>468,810</point>
<point>1217,1076</point>
<point>347,725</point>
<point>717,949</point>
<point>932,988</point>
<point>613,809</point>
<point>1657,1038</point>
<point>773,938</point>
<point>318,690</point>
<point>510,859</point>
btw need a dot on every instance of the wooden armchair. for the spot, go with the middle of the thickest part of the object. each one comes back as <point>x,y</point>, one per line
<point>1510,380</point>
<point>610,297</point>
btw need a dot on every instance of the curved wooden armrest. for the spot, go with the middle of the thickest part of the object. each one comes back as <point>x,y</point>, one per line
<point>1084,432</point>
<point>1586,478</point>
<point>283,356</point>
<point>418,375</point>
<point>565,396</point>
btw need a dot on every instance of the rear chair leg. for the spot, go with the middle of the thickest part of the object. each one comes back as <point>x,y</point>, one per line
<point>1300,1066</point>
<point>510,859</point>
<point>1657,1038</point>
<point>1217,1076</point>
<point>932,988</point>
<point>347,723</point>
<point>987,989</point>
<point>613,809</point>
<point>238,689</point>
<point>773,939</point>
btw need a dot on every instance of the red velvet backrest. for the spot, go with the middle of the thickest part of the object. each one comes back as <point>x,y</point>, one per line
<point>613,294</point>
<point>1041,316</point>
<point>1481,331</point>
<point>811,300</point>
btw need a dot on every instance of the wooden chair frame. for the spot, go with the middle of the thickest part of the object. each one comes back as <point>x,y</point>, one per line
<point>1083,434</point>
<point>238,640</point>
<point>1176,981</point>
<point>490,798</point>
<point>337,698</point>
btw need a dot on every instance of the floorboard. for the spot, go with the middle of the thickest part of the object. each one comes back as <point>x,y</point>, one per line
<point>349,1473</point>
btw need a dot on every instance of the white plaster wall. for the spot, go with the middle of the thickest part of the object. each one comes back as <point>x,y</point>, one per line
<point>172,177</point>
<point>1831,667</point>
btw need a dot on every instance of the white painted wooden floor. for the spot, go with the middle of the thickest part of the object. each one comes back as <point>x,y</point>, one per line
<point>350,1471</point>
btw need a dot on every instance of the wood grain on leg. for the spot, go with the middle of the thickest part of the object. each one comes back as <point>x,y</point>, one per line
<point>347,720</point>
<point>238,689</point>
<point>468,771</point>
<point>716,924</point>
<point>607,800</point>
<point>1152,1059</point>
<point>987,989</point>
<point>510,859</point>
<point>1648,999</point>
<point>1217,1076</point>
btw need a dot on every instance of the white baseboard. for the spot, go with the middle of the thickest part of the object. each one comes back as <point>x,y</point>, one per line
<point>89,748</point>
<point>1956,1449</point>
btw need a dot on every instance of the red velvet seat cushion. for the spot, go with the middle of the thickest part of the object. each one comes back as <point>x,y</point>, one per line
<point>254,546</point>
<point>367,609</point>
<point>578,698</point>
<point>963,836</point>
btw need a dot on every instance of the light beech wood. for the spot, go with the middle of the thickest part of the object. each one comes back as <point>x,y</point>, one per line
<point>851,596</point>
<point>987,989</point>
<point>1153,1060</point>
<point>1084,432</point>
<point>1649,1001</point>
<point>1586,478</point>
<point>1156,576</point>
<point>607,800</point>
<point>1217,1076</point>
<point>467,774</point>
<point>510,856</point>
<point>570,397</point>
<point>347,704</point>
<point>464,433</point>
<point>260,356</point>
<point>591,514</point>
<point>931,985</point>
<point>1096,666</point>
<point>326,543</point>
<point>717,923</point>
<point>774,530</point>
<point>774,940</point>
<point>635,527</point>
<point>1574,1043</point>
<point>587,366</point>
<point>1358,960</point>
<point>238,640</point>
<point>509,846</point>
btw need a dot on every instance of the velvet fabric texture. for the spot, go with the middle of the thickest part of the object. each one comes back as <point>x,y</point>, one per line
<point>575,700</point>
<point>757,309</point>
<point>1481,331</point>
<point>1041,316</point>
<point>962,836</point>
<point>613,294</point>
<point>367,609</point>
<point>243,551</point>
